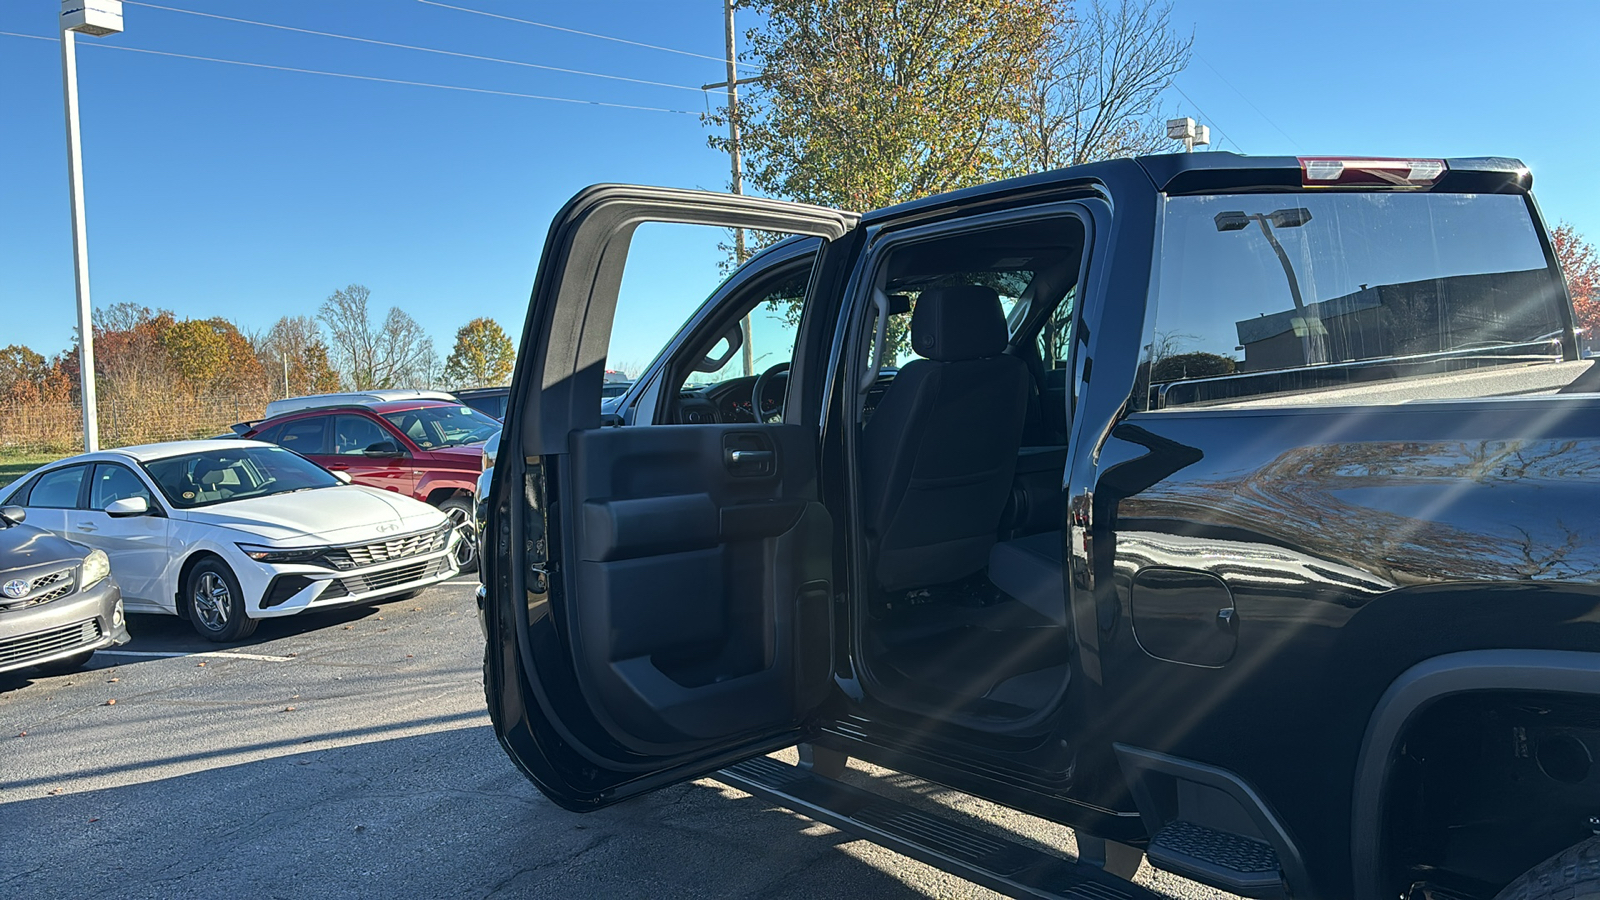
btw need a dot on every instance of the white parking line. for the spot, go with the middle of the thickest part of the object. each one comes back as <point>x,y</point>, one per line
<point>215,654</point>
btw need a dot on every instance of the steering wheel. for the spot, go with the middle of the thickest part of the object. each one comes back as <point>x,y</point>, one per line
<point>759,390</point>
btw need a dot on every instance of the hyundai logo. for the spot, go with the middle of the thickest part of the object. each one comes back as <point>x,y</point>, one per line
<point>14,588</point>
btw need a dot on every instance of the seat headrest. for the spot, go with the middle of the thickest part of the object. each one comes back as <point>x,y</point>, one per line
<point>206,472</point>
<point>961,322</point>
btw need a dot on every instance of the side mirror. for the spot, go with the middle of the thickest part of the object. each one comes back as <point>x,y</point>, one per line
<point>383,450</point>
<point>342,476</point>
<point>128,506</point>
<point>491,449</point>
<point>13,514</point>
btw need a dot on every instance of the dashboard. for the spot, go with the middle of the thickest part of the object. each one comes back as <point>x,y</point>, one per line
<point>729,401</point>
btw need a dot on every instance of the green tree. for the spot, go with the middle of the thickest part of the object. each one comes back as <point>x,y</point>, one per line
<point>863,104</point>
<point>866,103</point>
<point>483,355</point>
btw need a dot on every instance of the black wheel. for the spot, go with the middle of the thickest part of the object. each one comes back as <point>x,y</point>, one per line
<point>459,509</point>
<point>66,666</point>
<point>1572,874</point>
<point>215,602</point>
<point>408,595</point>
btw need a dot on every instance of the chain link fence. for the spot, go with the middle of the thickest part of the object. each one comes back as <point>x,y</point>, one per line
<point>57,426</point>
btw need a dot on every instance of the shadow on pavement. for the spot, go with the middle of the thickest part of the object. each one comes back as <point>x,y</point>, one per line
<point>441,814</point>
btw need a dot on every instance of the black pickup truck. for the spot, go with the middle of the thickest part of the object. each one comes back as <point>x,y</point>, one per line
<point>1239,513</point>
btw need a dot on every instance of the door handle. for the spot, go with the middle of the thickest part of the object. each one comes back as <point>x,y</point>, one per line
<point>749,457</point>
<point>333,468</point>
<point>87,527</point>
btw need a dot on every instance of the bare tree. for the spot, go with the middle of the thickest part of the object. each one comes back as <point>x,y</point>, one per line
<point>1098,94</point>
<point>394,353</point>
<point>295,357</point>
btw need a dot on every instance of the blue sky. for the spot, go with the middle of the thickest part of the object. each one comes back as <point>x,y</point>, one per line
<point>253,193</point>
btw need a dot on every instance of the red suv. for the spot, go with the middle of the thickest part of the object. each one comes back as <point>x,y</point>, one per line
<point>428,449</point>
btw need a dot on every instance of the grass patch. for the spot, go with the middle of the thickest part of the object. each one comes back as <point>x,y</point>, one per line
<point>14,466</point>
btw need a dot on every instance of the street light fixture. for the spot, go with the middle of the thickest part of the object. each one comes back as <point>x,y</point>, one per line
<point>95,18</point>
<point>1192,133</point>
<point>1306,324</point>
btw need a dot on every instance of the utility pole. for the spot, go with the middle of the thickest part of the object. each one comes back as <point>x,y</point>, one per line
<point>735,154</point>
<point>95,18</point>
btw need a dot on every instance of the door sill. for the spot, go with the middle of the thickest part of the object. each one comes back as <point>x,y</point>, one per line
<point>1007,867</point>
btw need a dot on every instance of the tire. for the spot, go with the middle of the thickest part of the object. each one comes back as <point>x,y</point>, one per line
<point>459,509</point>
<point>408,595</point>
<point>215,603</point>
<point>65,666</point>
<point>1572,874</point>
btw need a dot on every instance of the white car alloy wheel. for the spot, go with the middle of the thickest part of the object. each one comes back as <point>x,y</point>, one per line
<point>466,552</point>
<point>211,601</point>
<point>215,602</point>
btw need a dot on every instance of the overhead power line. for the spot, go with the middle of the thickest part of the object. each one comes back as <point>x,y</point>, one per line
<point>1208,119</point>
<point>428,84</point>
<point>603,37</point>
<point>1251,102</point>
<point>362,40</point>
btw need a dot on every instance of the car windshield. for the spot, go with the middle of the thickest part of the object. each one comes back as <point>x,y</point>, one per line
<point>432,427</point>
<point>237,473</point>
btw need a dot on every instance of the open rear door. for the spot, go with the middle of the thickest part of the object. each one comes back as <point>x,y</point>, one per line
<point>658,597</point>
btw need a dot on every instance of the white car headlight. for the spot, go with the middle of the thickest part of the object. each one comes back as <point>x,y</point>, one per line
<point>96,566</point>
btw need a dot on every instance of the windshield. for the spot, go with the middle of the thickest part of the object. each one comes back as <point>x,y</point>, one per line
<point>432,427</point>
<point>237,473</point>
<point>1317,282</point>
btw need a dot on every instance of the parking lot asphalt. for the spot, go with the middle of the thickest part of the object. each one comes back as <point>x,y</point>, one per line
<point>348,754</point>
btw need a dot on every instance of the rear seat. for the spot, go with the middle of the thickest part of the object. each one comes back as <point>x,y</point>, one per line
<point>1029,569</point>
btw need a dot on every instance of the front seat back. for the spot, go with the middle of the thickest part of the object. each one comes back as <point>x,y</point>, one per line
<point>940,450</point>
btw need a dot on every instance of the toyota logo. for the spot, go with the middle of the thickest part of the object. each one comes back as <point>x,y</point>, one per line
<point>14,588</point>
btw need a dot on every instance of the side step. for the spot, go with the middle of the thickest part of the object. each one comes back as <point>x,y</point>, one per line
<point>1008,868</point>
<point>1238,863</point>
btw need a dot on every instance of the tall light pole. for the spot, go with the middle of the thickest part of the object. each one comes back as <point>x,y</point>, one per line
<point>1306,323</point>
<point>94,18</point>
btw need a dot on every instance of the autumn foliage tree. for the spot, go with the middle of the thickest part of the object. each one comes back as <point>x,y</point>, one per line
<point>1580,263</point>
<point>482,356</point>
<point>295,356</point>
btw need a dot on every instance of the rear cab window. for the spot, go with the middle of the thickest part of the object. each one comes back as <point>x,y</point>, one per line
<point>1353,298</point>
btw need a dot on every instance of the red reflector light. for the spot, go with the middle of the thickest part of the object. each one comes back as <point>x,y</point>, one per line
<point>1335,171</point>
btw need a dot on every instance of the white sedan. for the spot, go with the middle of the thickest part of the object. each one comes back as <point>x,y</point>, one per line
<point>228,532</point>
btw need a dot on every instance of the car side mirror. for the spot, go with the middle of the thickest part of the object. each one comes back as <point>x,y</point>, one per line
<point>13,514</point>
<point>128,506</point>
<point>342,476</point>
<point>383,449</point>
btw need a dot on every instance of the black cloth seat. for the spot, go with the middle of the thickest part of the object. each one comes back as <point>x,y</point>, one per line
<point>940,451</point>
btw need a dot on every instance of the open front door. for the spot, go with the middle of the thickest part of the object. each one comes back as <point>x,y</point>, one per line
<point>658,596</point>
